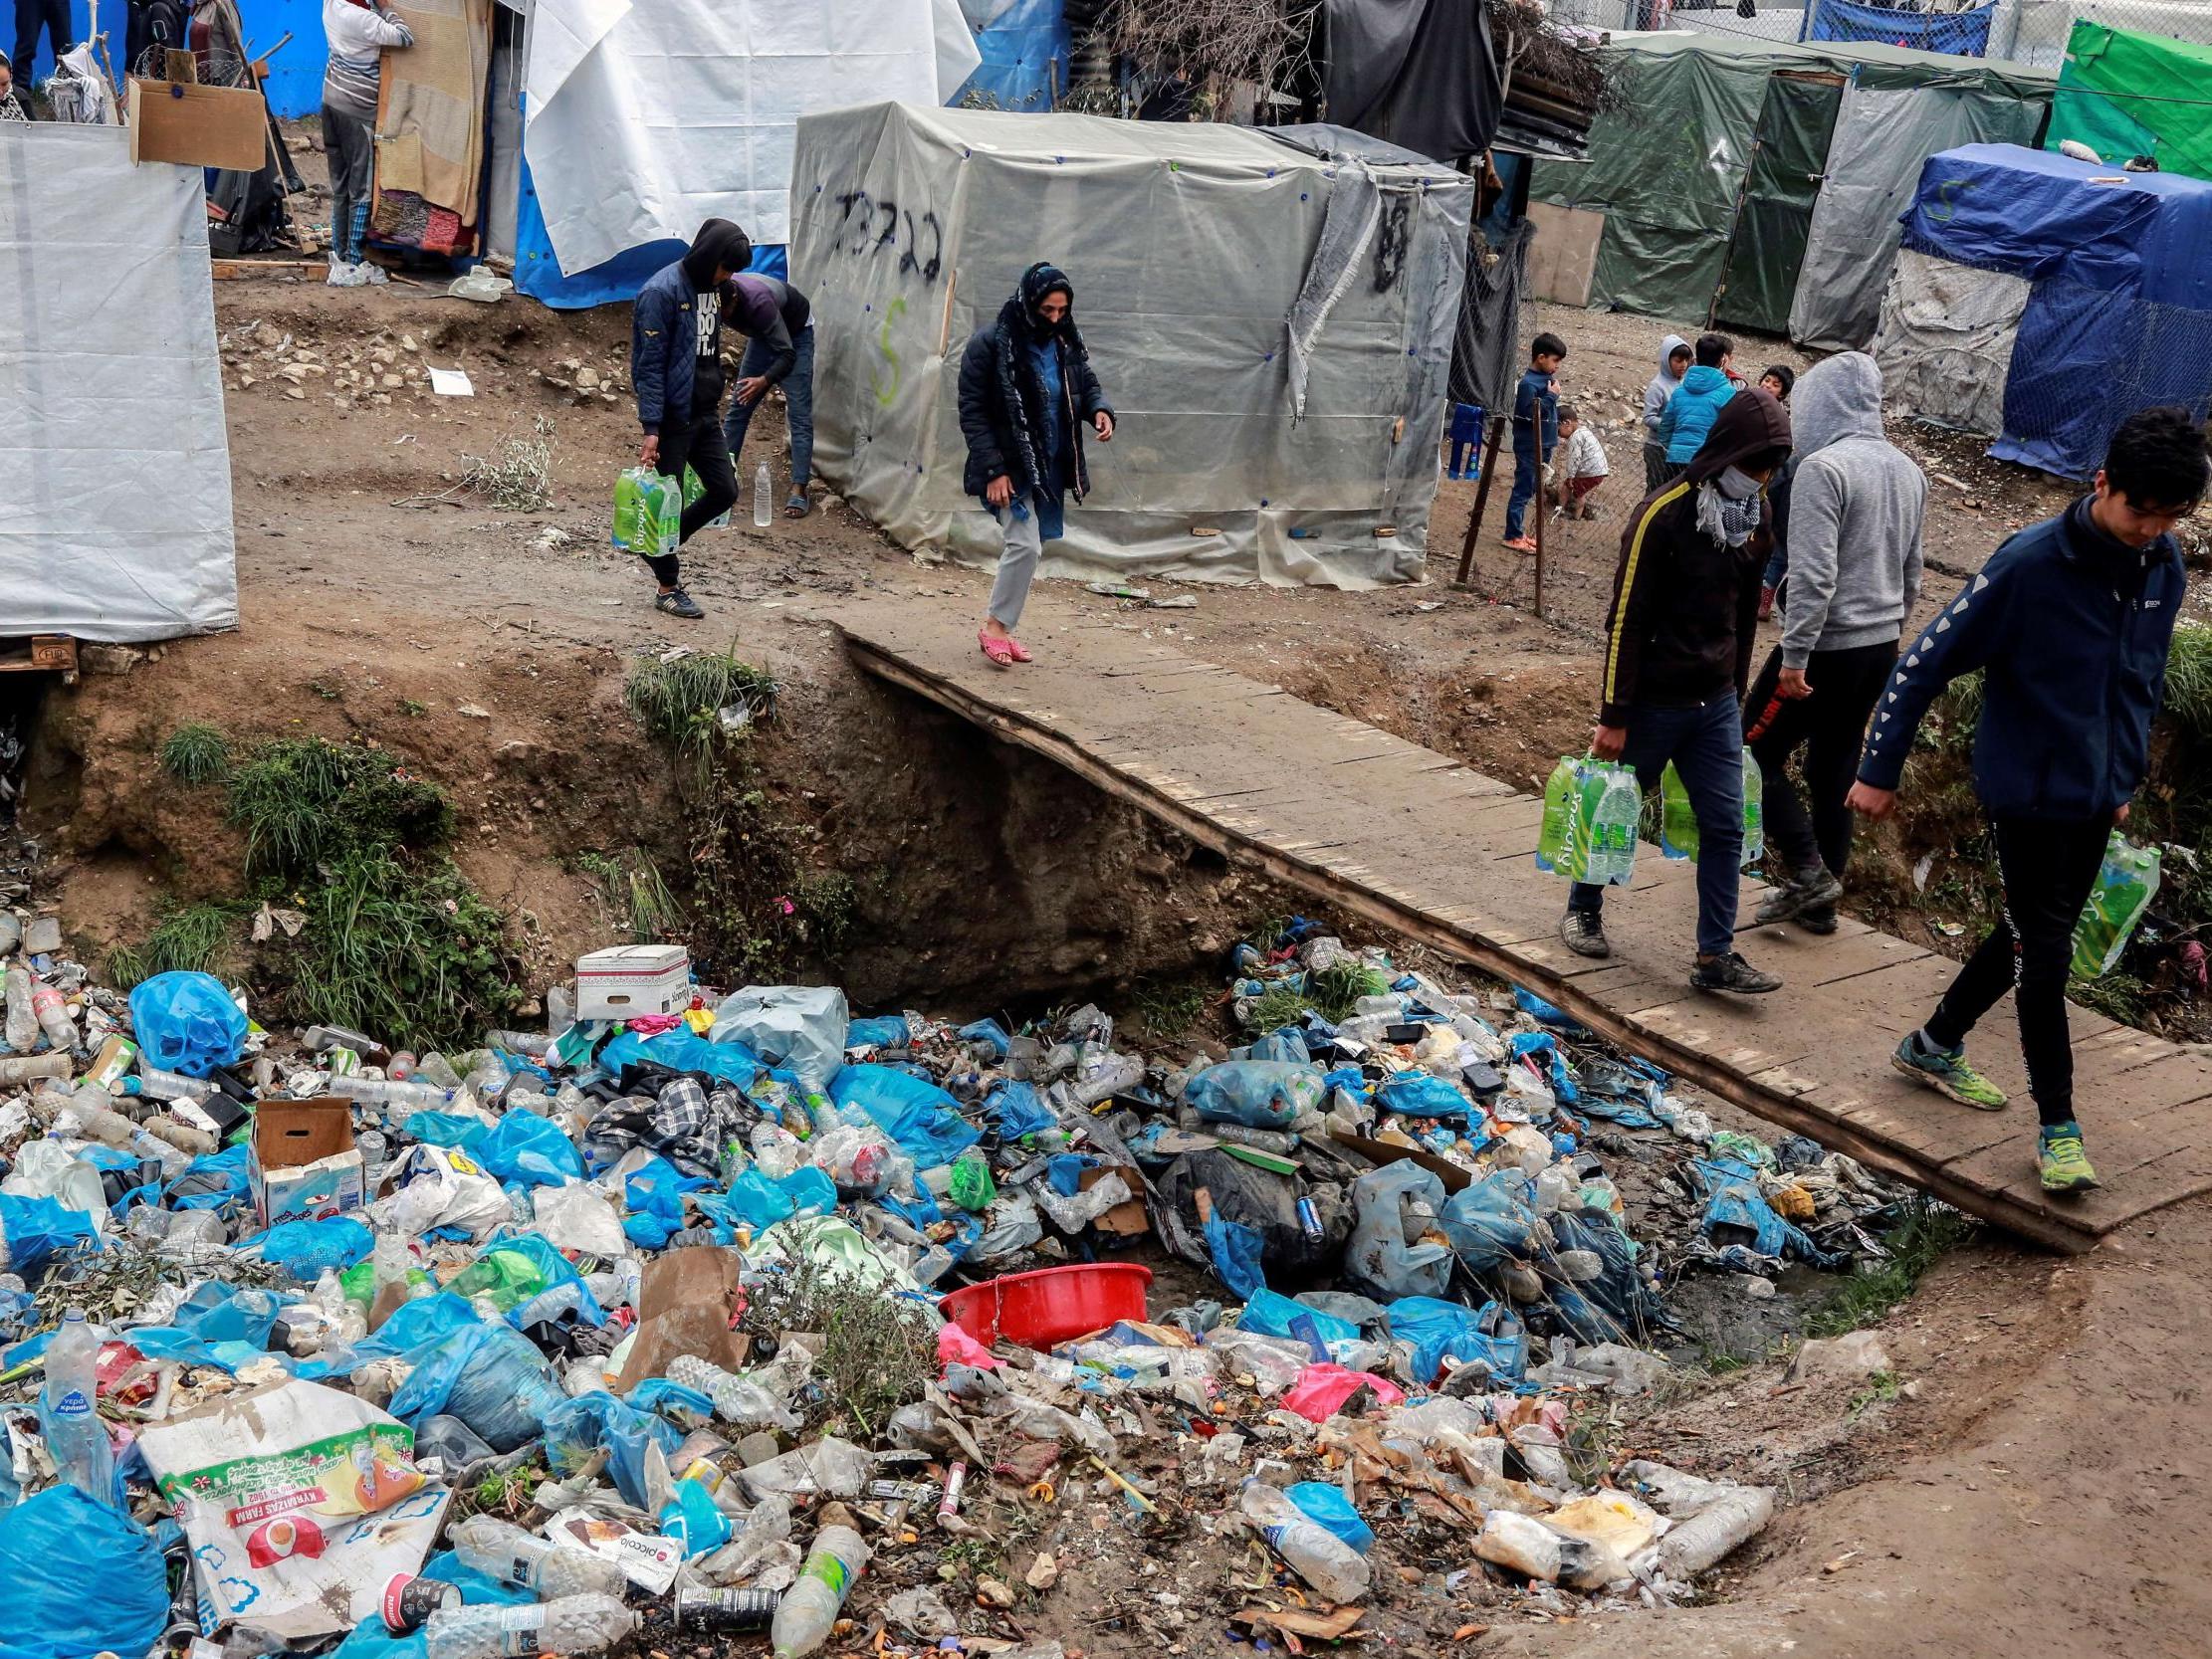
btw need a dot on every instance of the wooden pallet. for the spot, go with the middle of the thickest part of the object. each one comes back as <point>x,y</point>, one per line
<point>1414,841</point>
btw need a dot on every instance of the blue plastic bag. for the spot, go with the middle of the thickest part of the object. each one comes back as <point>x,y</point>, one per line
<point>1236,1251</point>
<point>1018,1110</point>
<point>991,1034</point>
<point>305,1248</point>
<point>529,1149</point>
<point>1543,1048</point>
<point>882,1031</point>
<point>684,1050</point>
<point>575,1428</point>
<point>1491,1221</point>
<point>1443,1332</point>
<point>39,1229</point>
<point>445,1128</point>
<point>1259,1093</point>
<point>487,1376</point>
<point>1327,1508</point>
<point>210,1183</point>
<point>82,1578</point>
<point>923,1118</point>
<point>1288,1044</point>
<point>1543,1014</point>
<point>1421,1095</point>
<point>186,1022</point>
<point>1273,1315</point>
<point>1736,1206</point>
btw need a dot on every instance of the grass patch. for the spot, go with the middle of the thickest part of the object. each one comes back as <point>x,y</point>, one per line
<point>632,887</point>
<point>1881,1389</point>
<point>197,938</point>
<point>677,700</point>
<point>196,753</point>
<point>306,801</point>
<point>1864,1299</point>
<point>1279,1006</point>
<point>1336,989</point>
<point>1167,1007</point>
<point>877,1352</point>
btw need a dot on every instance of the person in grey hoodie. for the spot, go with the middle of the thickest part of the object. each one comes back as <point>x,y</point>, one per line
<point>1856,508</point>
<point>1673,362</point>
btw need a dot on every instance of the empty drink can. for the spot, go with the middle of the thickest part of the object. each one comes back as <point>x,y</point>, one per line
<point>410,1602</point>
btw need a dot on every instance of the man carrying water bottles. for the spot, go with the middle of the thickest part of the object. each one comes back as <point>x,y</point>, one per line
<point>1677,657</point>
<point>2069,622</point>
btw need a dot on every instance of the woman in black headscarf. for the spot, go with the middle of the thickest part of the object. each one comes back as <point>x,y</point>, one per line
<point>1025,390</point>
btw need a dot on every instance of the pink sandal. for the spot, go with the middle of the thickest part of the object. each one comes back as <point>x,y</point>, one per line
<point>1021,651</point>
<point>998,647</point>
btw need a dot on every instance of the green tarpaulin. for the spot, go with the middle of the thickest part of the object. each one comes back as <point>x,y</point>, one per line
<point>1668,162</point>
<point>2126,94</point>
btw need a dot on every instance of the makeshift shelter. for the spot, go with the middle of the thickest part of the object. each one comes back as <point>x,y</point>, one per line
<point>1189,245</point>
<point>2041,301</point>
<point>112,435</point>
<point>1709,183</point>
<point>1963,34</point>
<point>2126,94</point>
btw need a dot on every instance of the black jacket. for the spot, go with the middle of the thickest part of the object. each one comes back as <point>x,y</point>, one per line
<point>1684,605</point>
<point>985,420</point>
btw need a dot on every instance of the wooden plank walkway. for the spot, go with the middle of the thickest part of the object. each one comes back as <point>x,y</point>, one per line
<point>1433,850</point>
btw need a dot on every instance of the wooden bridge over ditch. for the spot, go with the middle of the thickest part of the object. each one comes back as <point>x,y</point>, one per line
<point>1428,848</point>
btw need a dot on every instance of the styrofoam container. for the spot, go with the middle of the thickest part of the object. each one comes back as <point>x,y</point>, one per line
<point>629,981</point>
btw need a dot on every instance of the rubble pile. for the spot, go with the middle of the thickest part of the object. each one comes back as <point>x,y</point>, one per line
<point>701,1313</point>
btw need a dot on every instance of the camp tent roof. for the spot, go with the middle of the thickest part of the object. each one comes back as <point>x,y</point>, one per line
<point>2125,95</point>
<point>1905,64</point>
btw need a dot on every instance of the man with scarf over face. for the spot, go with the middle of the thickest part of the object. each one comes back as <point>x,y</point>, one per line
<point>1025,390</point>
<point>1677,657</point>
<point>676,370</point>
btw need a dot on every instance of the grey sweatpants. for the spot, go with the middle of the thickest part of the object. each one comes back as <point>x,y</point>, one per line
<point>350,146</point>
<point>1018,562</point>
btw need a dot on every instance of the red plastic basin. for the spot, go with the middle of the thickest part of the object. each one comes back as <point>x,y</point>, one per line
<point>1055,1304</point>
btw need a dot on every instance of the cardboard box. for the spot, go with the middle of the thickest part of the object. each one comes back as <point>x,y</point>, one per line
<point>1125,1220</point>
<point>304,1165</point>
<point>198,126</point>
<point>632,980</point>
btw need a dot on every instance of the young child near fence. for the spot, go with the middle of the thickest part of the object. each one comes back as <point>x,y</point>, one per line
<point>1580,466</point>
<point>1535,432</point>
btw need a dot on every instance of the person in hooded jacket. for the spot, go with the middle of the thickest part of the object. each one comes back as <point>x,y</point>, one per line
<point>1703,393</point>
<point>1673,362</point>
<point>1027,391</point>
<point>1678,655</point>
<point>1855,510</point>
<point>676,371</point>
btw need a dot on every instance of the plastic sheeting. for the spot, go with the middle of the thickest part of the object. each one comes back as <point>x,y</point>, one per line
<point>1963,34</point>
<point>1882,135</point>
<point>111,433</point>
<point>1487,347</point>
<point>2126,94</point>
<point>1187,244</point>
<point>1419,72</point>
<point>642,120</point>
<point>1025,46</point>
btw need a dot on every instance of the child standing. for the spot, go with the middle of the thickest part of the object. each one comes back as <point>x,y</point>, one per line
<point>1674,358</point>
<point>1696,403</point>
<point>1535,432</point>
<point>1581,465</point>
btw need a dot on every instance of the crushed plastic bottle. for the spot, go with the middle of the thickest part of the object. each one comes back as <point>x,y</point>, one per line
<point>23,1019</point>
<point>575,1624</point>
<point>500,1549</point>
<point>1308,1549</point>
<point>808,1610</point>
<point>737,1399</point>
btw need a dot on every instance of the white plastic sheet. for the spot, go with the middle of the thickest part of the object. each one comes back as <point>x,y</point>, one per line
<point>1946,340</point>
<point>1188,245</point>
<point>645,120</point>
<point>112,435</point>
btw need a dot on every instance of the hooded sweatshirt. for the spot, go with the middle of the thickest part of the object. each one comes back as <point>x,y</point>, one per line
<point>676,331</point>
<point>1690,410</point>
<point>1855,510</point>
<point>1661,387</point>
<point>1684,604</point>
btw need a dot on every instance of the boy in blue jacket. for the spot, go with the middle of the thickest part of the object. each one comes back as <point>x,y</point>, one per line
<point>1689,412</point>
<point>1535,432</point>
<point>676,370</point>
<point>2069,622</point>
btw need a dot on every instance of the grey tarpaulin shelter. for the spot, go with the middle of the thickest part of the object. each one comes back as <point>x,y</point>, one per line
<point>1189,245</point>
<point>112,435</point>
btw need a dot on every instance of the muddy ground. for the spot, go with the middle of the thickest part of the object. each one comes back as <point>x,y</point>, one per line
<point>2033,1488</point>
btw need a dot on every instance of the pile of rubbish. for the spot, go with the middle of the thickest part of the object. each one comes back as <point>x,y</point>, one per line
<point>740,1312</point>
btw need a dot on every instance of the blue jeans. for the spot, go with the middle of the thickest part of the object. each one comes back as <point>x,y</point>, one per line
<point>1706,743</point>
<point>1778,566</point>
<point>1524,492</point>
<point>799,406</point>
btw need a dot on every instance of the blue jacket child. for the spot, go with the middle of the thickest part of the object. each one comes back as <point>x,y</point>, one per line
<point>1690,413</point>
<point>1535,417</point>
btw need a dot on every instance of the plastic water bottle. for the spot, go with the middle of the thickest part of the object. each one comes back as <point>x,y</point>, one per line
<point>808,1610</point>
<point>155,1084</point>
<point>397,1099</point>
<point>1559,815</point>
<point>23,1019</point>
<point>51,1009</point>
<point>1308,1549</point>
<point>575,1624</point>
<point>1618,809</point>
<point>1677,818</point>
<point>82,1451</point>
<point>550,1571</point>
<point>737,1399</point>
<point>1754,811</point>
<point>761,489</point>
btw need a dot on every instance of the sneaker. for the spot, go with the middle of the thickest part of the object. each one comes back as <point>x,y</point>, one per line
<point>1729,971</point>
<point>675,603</point>
<point>1766,602</point>
<point>1819,919</point>
<point>2061,1162</point>
<point>1947,1073</point>
<point>1583,933</point>
<point>1519,544</point>
<point>1810,890</point>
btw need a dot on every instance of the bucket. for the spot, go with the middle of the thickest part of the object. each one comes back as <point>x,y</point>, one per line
<point>1052,1305</point>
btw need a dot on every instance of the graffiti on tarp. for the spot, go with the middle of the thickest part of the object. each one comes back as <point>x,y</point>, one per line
<point>1391,238</point>
<point>887,388</point>
<point>869,227</point>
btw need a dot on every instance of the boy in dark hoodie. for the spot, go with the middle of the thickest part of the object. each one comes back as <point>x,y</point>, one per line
<point>1535,432</point>
<point>2070,621</point>
<point>676,368</point>
<point>1677,654</point>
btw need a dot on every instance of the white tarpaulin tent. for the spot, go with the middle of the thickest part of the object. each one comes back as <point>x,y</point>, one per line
<point>1188,245</point>
<point>112,435</point>
<point>1946,340</point>
<point>642,120</point>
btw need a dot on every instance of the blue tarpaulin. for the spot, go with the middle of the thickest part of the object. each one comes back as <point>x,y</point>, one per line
<point>1961,34</point>
<point>1025,51</point>
<point>2122,302</point>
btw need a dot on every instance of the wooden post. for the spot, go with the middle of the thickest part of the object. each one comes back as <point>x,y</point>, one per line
<point>1543,512</point>
<point>1481,497</point>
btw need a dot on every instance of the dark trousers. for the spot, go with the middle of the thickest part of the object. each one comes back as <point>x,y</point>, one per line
<point>1830,725</point>
<point>1655,466</point>
<point>30,17</point>
<point>1705,742</point>
<point>700,447</point>
<point>799,406</point>
<point>350,145</point>
<point>1524,491</point>
<point>2047,871</point>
